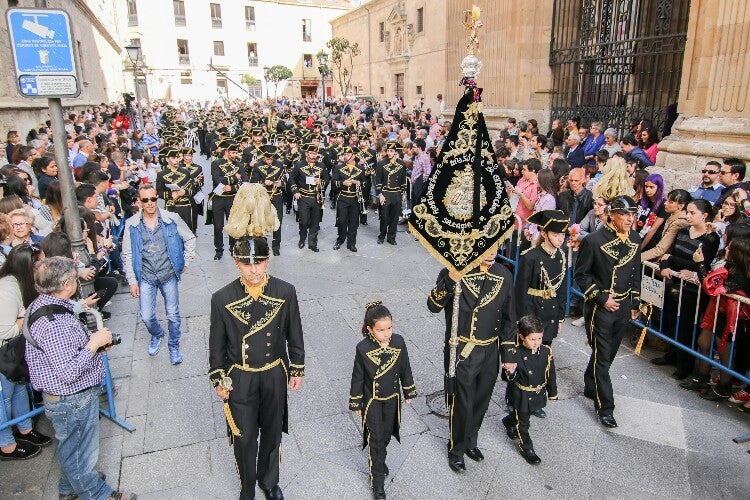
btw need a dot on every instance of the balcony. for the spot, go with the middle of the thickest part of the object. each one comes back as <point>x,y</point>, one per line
<point>216,22</point>
<point>184,59</point>
<point>252,61</point>
<point>132,19</point>
<point>179,21</point>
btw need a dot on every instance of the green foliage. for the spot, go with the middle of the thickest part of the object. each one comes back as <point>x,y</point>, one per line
<point>278,73</point>
<point>342,57</point>
<point>249,80</point>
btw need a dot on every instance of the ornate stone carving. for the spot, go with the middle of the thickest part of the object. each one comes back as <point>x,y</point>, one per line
<point>411,34</point>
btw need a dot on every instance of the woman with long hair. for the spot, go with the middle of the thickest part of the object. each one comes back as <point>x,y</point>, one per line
<point>651,209</point>
<point>53,201</point>
<point>22,187</point>
<point>674,208</point>
<point>16,293</point>
<point>45,169</point>
<point>649,143</point>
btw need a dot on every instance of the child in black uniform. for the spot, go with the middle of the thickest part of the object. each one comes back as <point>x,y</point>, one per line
<point>529,383</point>
<point>380,363</point>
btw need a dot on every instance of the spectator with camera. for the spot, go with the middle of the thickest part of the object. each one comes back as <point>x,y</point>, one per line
<point>67,367</point>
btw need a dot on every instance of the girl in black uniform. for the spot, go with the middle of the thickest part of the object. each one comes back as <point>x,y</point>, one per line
<point>380,363</point>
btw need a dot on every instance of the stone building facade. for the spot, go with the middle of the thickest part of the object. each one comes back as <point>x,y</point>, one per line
<point>95,25</point>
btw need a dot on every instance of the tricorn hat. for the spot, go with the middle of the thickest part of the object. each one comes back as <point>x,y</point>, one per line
<point>392,145</point>
<point>623,205</point>
<point>310,148</point>
<point>269,150</point>
<point>550,220</point>
<point>251,250</point>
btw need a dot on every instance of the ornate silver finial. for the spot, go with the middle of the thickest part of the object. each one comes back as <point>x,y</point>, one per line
<point>471,65</point>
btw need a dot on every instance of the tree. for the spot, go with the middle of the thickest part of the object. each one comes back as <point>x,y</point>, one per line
<point>342,57</point>
<point>277,74</point>
<point>249,80</point>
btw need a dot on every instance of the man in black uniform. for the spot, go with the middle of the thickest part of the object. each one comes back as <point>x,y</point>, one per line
<point>368,159</point>
<point>253,153</point>
<point>486,326</point>
<point>255,321</point>
<point>348,179</point>
<point>226,172</point>
<point>333,153</point>
<point>390,184</point>
<point>292,156</point>
<point>609,273</point>
<point>175,186</point>
<point>196,174</point>
<point>308,179</point>
<point>270,172</point>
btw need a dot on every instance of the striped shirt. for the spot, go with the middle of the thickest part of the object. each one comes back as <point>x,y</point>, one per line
<point>421,167</point>
<point>63,366</point>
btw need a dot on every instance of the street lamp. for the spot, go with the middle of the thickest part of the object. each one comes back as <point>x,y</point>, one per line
<point>265,77</point>
<point>324,71</point>
<point>134,53</point>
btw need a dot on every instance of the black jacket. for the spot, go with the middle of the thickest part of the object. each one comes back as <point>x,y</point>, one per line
<point>585,201</point>
<point>533,380</point>
<point>541,287</point>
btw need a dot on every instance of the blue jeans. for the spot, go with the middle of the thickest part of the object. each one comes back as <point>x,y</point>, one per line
<point>75,419</point>
<point>16,400</point>
<point>170,291</point>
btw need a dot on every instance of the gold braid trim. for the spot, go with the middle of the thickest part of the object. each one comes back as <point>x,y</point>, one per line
<point>230,421</point>
<point>646,309</point>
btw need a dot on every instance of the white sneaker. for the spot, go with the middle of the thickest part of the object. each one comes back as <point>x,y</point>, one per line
<point>577,321</point>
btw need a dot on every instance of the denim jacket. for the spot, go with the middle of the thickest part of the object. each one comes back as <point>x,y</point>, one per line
<point>179,239</point>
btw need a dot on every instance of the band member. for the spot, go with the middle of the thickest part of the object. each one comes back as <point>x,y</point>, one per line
<point>381,363</point>
<point>541,278</point>
<point>226,177</point>
<point>175,186</point>
<point>368,159</point>
<point>348,179</point>
<point>609,273</point>
<point>486,326</point>
<point>292,156</point>
<point>531,378</point>
<point>390,184</point>
<point>270,173</point>
<point>253,153</point>
<point>256,348</point>
<point>333,154</point>
<point>308,179</point>
<point>196,174</point>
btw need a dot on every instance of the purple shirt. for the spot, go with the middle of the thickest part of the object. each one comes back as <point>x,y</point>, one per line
<point>63,366</point>
<point>421,167</point>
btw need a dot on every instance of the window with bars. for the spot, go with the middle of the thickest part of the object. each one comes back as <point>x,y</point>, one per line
<point>307,30</point>
<point>183,52</point>
<point>218,48</point>
<point>132,13</point>
<point>307,60</point>
<point>252,54</point>
<point>420,20</point>
<point>250,17</point>
<point>215,15</point>
<point>179,12</point>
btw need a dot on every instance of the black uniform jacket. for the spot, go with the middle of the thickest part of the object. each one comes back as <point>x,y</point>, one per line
<point>226,172</point>
<point>255,335</point>
<point>486,312</point>
<point>179,176</point>
<point>376,375</point>
<point>390,177</point>
<point>273,172</point>
<point>342,173</point>
<point>195,172</point>
<point>607,265</point>
<point>301,172</point>
<point>541,287</point>
<point>533,380</point>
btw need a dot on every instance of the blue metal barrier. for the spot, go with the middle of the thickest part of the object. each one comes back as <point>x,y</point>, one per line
<point>30,414</point>
<point>512,247</point>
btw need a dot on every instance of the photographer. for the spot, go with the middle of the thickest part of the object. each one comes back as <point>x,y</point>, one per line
<point>68,369</point>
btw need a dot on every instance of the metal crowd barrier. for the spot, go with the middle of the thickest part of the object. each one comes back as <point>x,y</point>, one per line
<point>510,249</point>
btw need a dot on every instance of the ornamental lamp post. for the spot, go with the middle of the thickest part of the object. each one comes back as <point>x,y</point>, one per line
<point>134,54</point>
<point>323,69</point>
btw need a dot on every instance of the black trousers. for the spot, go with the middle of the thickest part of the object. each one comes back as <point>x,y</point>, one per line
<point>258,403</point>
<point>107,285</point>
<point>288,195</point>
<point>380,418</point>
<point>197,210</point>
<point>221,207</point>
<point>604,330</point>
<point>475,381</point>
<point>683,332</point>
<point>366,189</point>
<point>184,211</point>
<point>389,214</point>
<point>278,204</point>
<point>347,220</point>
<point>310,214</point>
<point>520,420</point>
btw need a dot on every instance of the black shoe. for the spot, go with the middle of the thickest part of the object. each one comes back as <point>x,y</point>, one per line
<point>301,244</point>
<point>314,249</point>
<point>575,312</point>
<point>680,374</point>
<point>33,437</point>
<point>392,242</point>
<point>276,252</point>
<point>352,249</point>
<point>663,360</point>
<point>380,241</point>
<point>456,465</point>
<point>475,454</point>
<point>695,384</point>
<point>378,492</point>
<point>387,472</point>
<point>273,493</point>
<point>288,210</point>
<point>337,245</point>
<point>608,421</point>
<point>717,393</point>
<point>24,450</point>
<point>218,255</point>
<point>540,413</point>
<point>530,456</point>
<point>511,431</point>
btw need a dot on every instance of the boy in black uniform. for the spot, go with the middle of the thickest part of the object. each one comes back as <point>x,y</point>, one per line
<point>270,172</point>
<point>380,363</point>
<point>368,159</point>
<point>254,152</point>
<point>390,184</point>
<point>226,172</point>
<point>531,378</point>
<point>348,179</point>
<point>175,186</point>
<point>308,179</point>
<point>486,326</point>
<point>196,174</point>
<point>292,155</point>
<point>609,273</point>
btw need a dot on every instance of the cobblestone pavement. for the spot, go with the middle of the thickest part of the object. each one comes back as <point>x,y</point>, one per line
<point>670,443</point>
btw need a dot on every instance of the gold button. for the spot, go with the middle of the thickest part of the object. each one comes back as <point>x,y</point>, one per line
<point>268,354</point>
<point>268,344</point>
<point>530,372</point>
<point>247,346</point>
<point>268,334</point>
<point>377,385</point>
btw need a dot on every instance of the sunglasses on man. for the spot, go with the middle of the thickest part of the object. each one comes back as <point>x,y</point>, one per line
<point>152,199</point>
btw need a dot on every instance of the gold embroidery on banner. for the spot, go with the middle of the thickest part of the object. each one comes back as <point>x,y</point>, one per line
<point>459,197</point>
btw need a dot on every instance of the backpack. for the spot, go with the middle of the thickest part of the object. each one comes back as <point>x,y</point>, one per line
<point>13,352</point>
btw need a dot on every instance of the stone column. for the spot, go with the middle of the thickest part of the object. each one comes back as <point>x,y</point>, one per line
<point>714,100</point>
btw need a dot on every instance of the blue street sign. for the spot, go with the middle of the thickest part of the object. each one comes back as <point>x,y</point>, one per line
<point>42,48</point>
